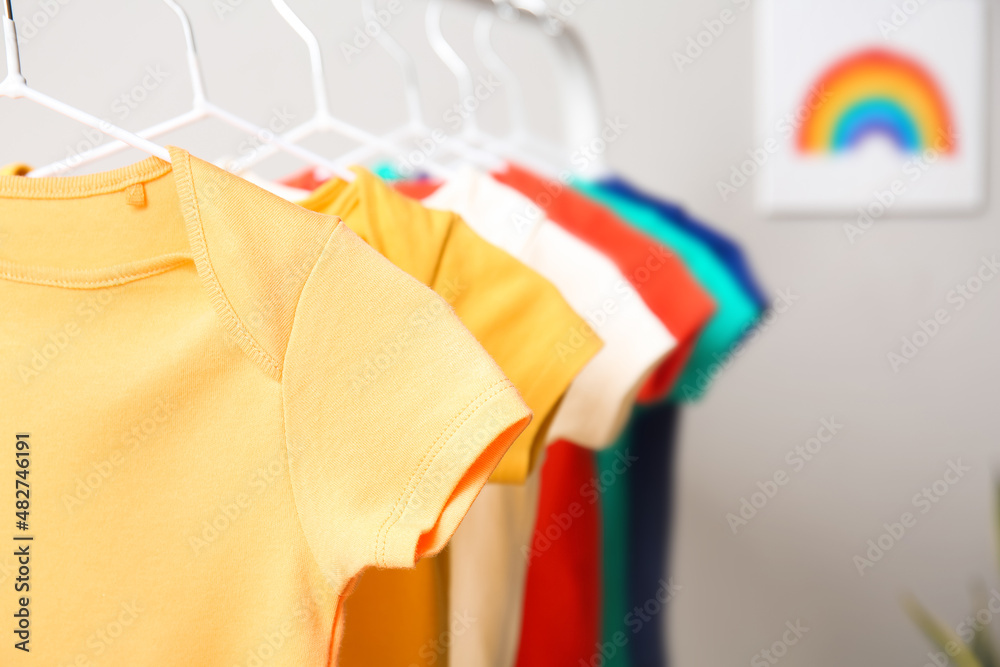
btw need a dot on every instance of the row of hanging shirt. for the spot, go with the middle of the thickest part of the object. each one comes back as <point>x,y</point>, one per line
<point>608,308</point>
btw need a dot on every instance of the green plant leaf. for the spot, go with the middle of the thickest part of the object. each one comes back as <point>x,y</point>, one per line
<point>982,640</point>
<point>983,648</point>
<point>940,635</point>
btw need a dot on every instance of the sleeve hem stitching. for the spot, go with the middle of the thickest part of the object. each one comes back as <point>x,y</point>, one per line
<point>449,431</point>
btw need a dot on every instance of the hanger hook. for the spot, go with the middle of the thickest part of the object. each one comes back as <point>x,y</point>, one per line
<point>194,66</point>
<point>578,83</point>
<point>14,77</point>
<point>405,62</point>
<point>451,59</point>
<point>506,10</point>
<point>494,63</point>
<point>315,56</point>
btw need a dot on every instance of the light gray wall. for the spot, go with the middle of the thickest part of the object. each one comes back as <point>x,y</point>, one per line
<point>824,358</point>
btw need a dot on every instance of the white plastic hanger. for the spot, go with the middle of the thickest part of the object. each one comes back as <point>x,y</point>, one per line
<point>581,100</point>
<point>581,97</point>
<point>469,134</point>
<point>323,120</point>
<point>15,87</point>
<point>520,140</point>
<point>201,108</point>
<point>482,32</point>
<point>466,87</point>
<point>416,128</point>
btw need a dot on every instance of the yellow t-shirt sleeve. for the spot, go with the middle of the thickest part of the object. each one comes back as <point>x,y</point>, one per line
<point>395,417</point>
<point>517,315</point>
<point>524,323</point>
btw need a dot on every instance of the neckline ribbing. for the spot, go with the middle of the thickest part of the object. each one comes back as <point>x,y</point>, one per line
<point>88,185</point>
<point>81,187</point>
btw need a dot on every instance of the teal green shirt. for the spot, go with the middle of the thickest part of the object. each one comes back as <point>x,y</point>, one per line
<point>736,313</point>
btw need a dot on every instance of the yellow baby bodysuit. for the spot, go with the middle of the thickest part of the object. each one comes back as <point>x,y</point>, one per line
<point>522,320</point>
<point>218,409</point>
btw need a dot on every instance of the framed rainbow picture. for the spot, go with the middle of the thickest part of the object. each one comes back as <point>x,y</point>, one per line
<point>873,107</point>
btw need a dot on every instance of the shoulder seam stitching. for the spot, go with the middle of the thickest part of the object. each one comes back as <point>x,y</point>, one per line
<point>220,301</point>
<point>284,408</point>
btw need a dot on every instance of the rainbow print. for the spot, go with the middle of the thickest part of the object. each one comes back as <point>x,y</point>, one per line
<point>877,92</point>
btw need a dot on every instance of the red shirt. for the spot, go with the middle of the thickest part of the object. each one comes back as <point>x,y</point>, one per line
<point>306,179</point>
<point>660,277</point>
<point>561,621</point>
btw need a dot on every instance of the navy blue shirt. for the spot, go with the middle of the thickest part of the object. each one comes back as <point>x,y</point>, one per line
<point>724,248</point>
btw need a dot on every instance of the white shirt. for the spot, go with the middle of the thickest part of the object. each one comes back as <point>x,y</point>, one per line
<point>488,552</point>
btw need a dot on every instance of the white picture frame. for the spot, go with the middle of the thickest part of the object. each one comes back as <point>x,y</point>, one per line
<point>867,147</point>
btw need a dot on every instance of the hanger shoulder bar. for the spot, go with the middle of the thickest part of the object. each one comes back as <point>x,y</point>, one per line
<point>114,131</point>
